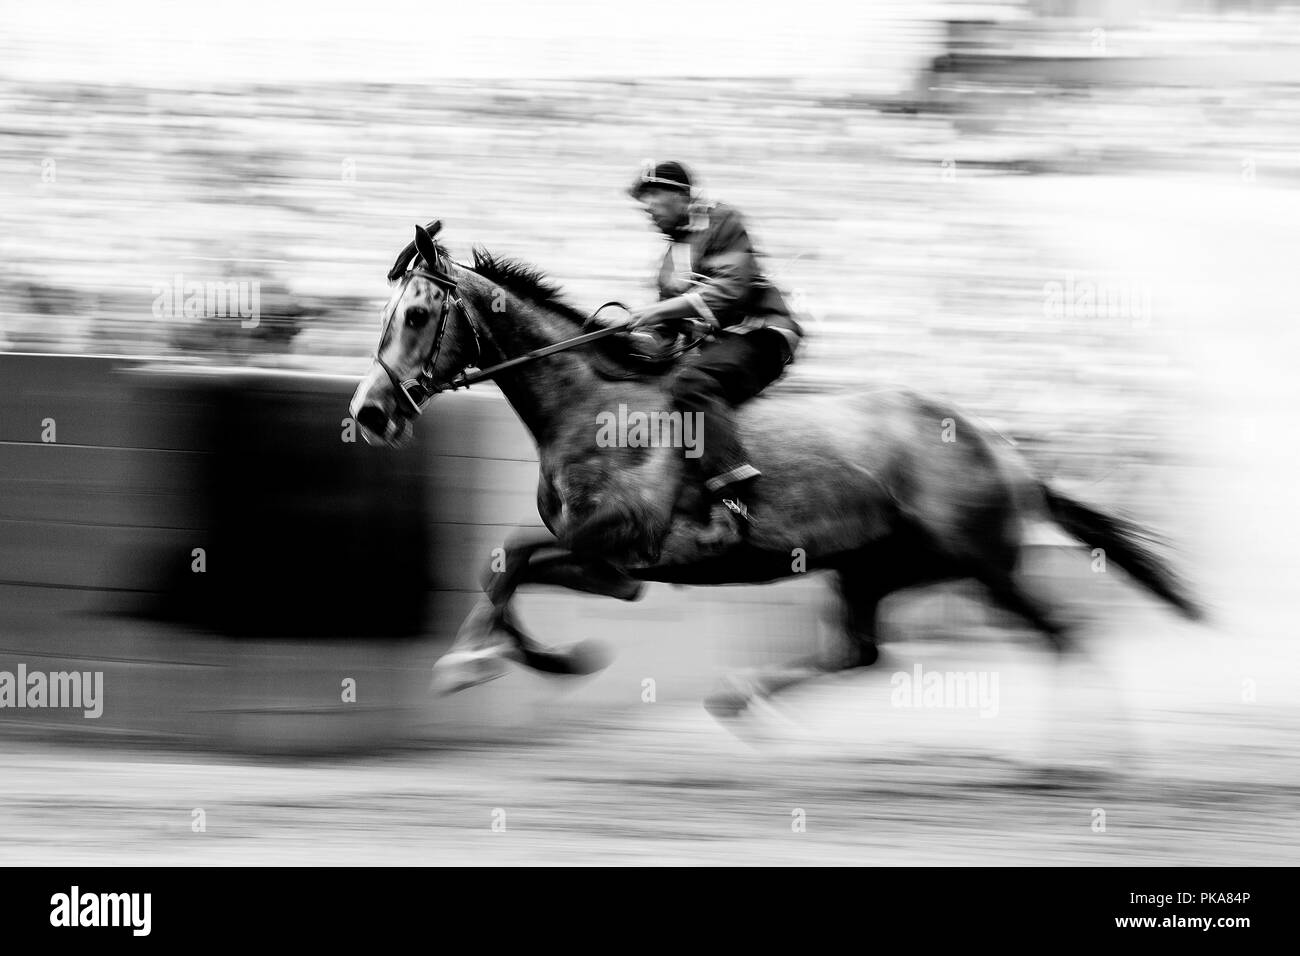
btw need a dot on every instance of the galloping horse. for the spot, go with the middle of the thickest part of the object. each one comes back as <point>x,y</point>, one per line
<point>885,489</point>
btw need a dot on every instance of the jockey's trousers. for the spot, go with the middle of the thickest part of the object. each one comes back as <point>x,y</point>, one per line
<point>730,369</point>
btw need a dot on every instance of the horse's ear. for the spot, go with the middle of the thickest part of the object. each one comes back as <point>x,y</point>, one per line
<point>434,228</point>
<point>425,246</point>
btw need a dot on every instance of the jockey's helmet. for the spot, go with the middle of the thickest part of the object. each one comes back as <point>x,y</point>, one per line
<point>670,175</point>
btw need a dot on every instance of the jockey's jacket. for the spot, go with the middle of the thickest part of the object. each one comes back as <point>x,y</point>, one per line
<point>712,265</point>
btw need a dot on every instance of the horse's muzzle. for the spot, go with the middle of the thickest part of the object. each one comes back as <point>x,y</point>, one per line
<point>373,421</point>
<point>376,411</point>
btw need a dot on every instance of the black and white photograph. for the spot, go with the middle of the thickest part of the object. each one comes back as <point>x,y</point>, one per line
<point>729,433</point>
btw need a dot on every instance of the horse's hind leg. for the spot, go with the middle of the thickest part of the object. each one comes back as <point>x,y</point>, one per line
<point>1079,678</point>
<point>863,580</point>
<point>995,561</point>
<point>1011,595</point>
<point>735,692</point>
<point>902,560</point>
<point>1087,714</point>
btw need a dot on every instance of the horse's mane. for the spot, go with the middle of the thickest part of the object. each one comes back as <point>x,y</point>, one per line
<point>531,284</point>
<point>526,281</point>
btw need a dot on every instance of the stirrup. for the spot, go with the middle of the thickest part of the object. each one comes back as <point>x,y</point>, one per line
<point>738,508</point>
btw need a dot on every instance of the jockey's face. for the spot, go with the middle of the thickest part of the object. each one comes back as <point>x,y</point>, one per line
<point>665,207</point>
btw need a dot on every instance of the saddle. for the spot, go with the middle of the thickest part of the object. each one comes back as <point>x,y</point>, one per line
<point>619,358</point>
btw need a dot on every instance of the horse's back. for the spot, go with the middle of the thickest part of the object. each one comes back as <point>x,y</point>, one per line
<point>852,462</point>
<point>865,425</point>
<point>870,423</point>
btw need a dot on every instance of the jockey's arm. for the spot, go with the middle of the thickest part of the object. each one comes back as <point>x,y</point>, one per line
<point>719,298</point>
<point>726,273</point>
<point>665,312</point>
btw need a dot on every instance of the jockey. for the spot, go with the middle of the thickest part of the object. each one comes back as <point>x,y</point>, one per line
<point>710,273</point>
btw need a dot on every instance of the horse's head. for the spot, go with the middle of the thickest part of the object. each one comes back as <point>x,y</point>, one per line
<point>425,341</point>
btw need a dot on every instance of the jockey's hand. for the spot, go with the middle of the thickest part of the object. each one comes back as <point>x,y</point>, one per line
<point>671,311</point>
<point>640,318</point>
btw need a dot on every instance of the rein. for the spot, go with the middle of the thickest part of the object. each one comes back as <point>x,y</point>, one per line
<point>465,380</point>
<point>424,386</point>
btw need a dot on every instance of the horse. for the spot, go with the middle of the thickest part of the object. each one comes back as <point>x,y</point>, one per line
<point>883,488</point>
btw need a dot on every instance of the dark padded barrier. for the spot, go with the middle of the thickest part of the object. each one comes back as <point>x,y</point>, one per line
<point>305,534</point>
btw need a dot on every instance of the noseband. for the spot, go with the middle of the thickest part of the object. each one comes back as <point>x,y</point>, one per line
<point>423,386</point>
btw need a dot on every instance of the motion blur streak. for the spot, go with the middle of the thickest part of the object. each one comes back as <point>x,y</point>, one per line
<point>1076,219</point>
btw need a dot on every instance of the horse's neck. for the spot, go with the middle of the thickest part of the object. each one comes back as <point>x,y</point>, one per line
<point>541,391</point>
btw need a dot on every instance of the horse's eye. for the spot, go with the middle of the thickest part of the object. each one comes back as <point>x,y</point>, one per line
<point>417,316</point>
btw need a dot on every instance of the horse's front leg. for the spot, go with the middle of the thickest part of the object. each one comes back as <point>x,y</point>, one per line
<point>487,639</point>
<point>491,636</point>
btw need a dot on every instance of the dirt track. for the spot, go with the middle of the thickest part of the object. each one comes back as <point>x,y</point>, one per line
<point>1192,776</point>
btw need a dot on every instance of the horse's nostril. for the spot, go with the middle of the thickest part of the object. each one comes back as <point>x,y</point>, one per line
<point>372,418</point>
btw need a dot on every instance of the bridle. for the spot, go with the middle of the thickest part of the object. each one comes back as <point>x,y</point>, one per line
<point>423,386</point>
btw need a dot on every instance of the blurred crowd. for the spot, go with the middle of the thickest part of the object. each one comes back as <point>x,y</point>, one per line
<point>113,195</point>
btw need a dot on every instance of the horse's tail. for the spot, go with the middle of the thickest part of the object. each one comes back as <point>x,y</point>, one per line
<point>1126,544</point>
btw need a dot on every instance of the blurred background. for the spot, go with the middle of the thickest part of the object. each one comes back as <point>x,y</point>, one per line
<point>1077,219</point>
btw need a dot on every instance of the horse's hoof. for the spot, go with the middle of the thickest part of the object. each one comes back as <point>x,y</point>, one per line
<point>589,656</point>
<point>633,590</point>
<point>576,660</point>
<point>461,670</point>
<point>730,698</point>
<point>725,707</point>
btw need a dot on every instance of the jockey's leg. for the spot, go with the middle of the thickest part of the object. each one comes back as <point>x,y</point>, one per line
<point>730,370</point>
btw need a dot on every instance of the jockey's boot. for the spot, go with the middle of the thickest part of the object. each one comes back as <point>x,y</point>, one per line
<point>729,517</point>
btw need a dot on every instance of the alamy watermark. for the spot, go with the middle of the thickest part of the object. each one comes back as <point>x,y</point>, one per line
<point>180,298</point>
<point>1097,297</point>
<point>657,429</point>
<point>946,690</point>
<point>76,909</point>
<point>82,690</point>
